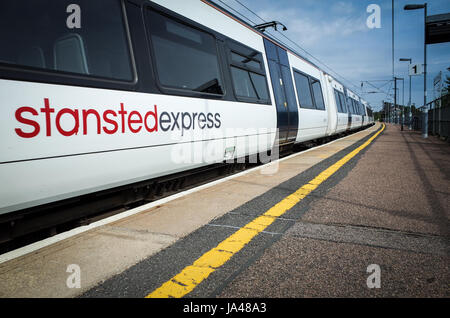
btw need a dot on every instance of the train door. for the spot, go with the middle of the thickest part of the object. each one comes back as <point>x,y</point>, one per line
<point>349,109</point>
<point>283,88</point>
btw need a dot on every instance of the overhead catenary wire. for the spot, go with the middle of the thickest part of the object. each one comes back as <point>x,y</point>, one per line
<point>297,45</point>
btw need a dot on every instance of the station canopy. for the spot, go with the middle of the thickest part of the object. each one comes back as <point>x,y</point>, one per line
<point>438,28</point>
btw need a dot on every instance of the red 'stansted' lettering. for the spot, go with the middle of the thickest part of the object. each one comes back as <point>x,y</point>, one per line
<point>26,121</point>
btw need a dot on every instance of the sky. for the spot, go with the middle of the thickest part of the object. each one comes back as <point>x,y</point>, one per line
<point>336,33</point>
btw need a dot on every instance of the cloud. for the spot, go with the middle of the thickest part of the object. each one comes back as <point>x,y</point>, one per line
<point>342,7</point>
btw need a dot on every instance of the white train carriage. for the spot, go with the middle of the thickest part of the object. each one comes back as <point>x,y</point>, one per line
<point>369,113</point>
<point>84,110</point>
<point>312,111</point>
<point>136,90</point>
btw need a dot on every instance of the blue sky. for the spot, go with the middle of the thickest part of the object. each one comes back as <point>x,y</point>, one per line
<point>335,32</point>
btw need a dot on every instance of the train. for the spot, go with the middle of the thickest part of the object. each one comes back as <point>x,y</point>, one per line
<point>102,95</point>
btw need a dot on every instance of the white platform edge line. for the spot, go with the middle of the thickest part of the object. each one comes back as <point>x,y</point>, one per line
<point>65,235</point>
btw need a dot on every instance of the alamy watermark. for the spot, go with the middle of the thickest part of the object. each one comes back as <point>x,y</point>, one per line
<point>374,19</point>
<point>374,279</point>
<point>229,145</point>
<point>74,279</point>
<point>73,21</point>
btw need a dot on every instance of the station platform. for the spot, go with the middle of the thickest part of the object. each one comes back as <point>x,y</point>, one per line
<point>309,225</point>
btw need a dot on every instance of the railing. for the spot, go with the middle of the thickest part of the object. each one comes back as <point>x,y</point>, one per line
<point>439,117</point>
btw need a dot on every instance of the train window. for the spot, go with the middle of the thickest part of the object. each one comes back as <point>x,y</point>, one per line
<point>303,90</point>
<point>317,90</point>
<point>357,108</point>
<point>260,85</point>
<point>350,105</point>
<point>345,107</point>
<point>360,108</point>
<point>247,73</point>
<point>338,101</point>
<point>245,60</point>
<point>185,57</point>
<point>248,84</point>
<point>243,83</point>
<point>49,35</point>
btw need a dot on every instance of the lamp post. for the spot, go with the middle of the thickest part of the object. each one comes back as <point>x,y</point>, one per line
<point>415,7</point>
<point>409,101</point>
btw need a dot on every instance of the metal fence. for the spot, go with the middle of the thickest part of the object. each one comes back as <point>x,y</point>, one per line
<point>438,117</point>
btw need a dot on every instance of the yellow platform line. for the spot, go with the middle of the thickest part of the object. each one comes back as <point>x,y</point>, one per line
<point>192,275</point>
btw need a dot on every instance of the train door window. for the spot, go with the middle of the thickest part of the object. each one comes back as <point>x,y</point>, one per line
<point>317,91</point>
<point>345,107</point>
<point>350,105</point>
<point>49,35</point>
<point>357,108</point>
<point>303,90</point>
<point>185,57</point>
<point>338,101</point>
<point>247,73</point>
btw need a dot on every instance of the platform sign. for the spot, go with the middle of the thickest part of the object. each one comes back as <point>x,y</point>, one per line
<point>415,69</point>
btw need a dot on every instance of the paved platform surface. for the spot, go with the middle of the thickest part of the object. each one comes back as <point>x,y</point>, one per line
<point>392,209</point>
<point>389,206</point>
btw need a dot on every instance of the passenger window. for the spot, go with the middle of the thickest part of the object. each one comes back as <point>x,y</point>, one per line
<point>248,74</point>
<point>303,91</point>
<point>245,60</point>
<point>318,97</point>
<point>39,35</point>
<point>243,83</point>
<point>260,85</point>
<point>185,57</point>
